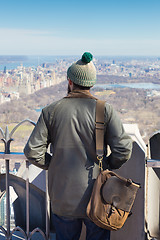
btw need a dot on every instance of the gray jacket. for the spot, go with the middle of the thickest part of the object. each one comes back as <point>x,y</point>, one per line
<point>69,125</point>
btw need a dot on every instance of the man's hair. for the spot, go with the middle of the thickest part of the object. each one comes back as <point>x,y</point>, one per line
<point>76,86</point>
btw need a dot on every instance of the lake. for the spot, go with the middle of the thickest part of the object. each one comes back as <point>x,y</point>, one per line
<point>129,85</point>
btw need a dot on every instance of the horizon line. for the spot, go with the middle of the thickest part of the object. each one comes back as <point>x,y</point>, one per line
<point>74,55</point>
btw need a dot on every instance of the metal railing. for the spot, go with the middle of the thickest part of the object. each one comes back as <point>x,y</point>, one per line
<point>7,156</point>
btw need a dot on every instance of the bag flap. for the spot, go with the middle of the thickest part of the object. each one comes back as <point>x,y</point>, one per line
<point>120,193</point>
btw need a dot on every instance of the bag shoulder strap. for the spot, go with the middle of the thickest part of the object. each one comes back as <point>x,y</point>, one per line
<point>100,107</point>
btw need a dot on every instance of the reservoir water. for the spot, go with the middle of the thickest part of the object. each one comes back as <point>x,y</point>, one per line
<point>129,85</point>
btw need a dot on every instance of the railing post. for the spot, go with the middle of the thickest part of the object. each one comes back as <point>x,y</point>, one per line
<point>7,139</point>
<point>27,198</point>
<point>7,199</point>
<point>47,209</point>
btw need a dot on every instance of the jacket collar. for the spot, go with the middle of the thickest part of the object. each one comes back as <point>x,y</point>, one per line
<point>80,94</point>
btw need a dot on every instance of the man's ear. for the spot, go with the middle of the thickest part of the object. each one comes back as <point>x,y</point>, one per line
<point>70,82</point>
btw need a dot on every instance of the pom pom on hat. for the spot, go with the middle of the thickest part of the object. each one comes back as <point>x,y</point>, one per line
<point>87,57</point>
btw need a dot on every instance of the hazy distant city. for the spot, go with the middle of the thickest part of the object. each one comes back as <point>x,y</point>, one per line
<point>22,75</point>
<point>27,84</point>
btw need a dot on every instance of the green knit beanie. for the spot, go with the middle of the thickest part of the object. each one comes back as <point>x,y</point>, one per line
<point>83,72</point>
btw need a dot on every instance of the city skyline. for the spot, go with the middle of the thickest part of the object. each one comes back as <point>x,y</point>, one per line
<point>102,27</point>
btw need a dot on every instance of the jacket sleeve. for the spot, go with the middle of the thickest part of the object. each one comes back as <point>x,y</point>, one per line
<point>36,147</point>
<point>118,140</point>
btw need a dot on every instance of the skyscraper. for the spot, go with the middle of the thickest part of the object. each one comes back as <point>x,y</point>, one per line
<point>4,70</point>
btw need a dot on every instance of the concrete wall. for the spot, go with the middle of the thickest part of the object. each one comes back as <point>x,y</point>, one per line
<point>153,202</point>
<point>134,228</point>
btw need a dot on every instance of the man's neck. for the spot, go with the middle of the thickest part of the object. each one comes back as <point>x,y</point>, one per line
<point>81,90</point>
<point>80,93</point>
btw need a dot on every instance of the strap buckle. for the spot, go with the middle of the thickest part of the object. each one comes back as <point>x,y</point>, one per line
<point>100,158</point>
<point>99,125</point>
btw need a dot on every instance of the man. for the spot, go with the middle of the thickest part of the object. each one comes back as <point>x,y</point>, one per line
<point>69,125</point>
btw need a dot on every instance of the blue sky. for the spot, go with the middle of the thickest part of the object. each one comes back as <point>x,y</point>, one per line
<point>36,27</point>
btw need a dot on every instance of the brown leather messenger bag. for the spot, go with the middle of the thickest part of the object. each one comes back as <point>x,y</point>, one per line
<point>112,195</point>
